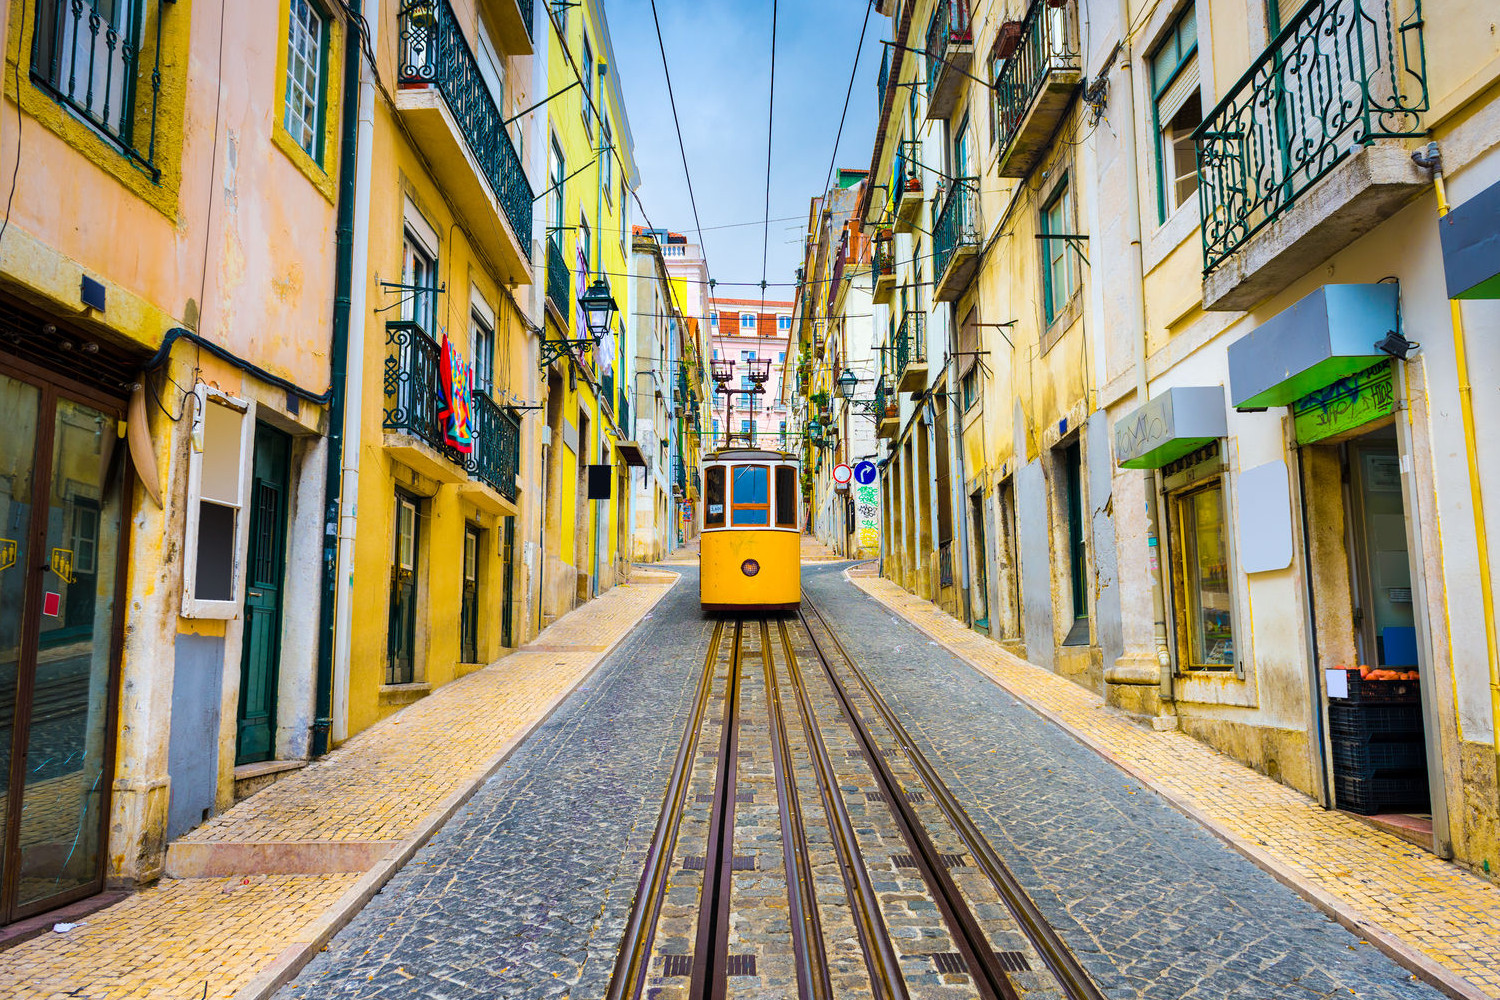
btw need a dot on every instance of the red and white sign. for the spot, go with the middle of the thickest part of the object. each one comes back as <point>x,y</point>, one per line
<point>842,474</point>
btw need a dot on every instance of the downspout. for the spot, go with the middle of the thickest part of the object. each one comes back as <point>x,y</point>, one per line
<point>1137,318</point>
<point>338,378</point>
<point>1432,159</point>
<point>363,81</point>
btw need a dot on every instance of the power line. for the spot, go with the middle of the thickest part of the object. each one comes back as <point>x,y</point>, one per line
<point>765,244</point>
<point>681,147</point>
<point>858,51</point>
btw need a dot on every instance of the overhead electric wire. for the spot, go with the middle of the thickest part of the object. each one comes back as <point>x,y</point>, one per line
<point>681,147</point>
<point>859,49</point>
<point>765,245</point>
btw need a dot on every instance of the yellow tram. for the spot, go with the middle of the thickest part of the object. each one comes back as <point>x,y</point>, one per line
<point>750,554</point>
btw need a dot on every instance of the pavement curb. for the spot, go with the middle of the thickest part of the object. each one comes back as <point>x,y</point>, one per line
<point>1399,951</point>
<point>295,957</point>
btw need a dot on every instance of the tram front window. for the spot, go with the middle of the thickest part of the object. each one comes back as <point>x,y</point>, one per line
<point>752,497</point>
<point>713,497</point>
<point>786,496</point>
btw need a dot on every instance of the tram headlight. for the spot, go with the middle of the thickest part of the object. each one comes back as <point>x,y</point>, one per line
<point>750,567</point>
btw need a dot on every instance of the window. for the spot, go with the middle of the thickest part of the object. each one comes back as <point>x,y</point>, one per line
<point>1072,474</point>
<point>747,322</point>
<point>1057,255</point>
<point>419,276</point>
<point>970,384</point>
<point>783,323</point>
<point>713,321</point>
<point>781,357</point>
<point>961,152</point>
<point>1178,107</point>
<point>607,157</point>
<point>752,501</point>
<point>588,86</point>
<point>218,486</point>
<point>91,65</point>
<point>716,354</point>
<point>786,492</point>
<point>747,355</point>
<point>482,330</point>
<point>304,76</point>
<point>555,211</point>
<point>1200,570</point>
<point>713,493</point>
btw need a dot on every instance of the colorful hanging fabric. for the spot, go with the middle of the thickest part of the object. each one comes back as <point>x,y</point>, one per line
<point>456,415</point>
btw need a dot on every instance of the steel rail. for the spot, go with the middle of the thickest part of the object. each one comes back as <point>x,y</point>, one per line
<point>711,952</point>
<point>1064,965</point>
<point>886,981</point>
<point>813,982</point>
<point>629,976</point>
<point>973,944</point>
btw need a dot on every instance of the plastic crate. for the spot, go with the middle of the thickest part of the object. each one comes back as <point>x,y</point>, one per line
<point>1370,758</point>
<point>1375,722</point>
<point>1384,793</point>
<point>1363,691</point>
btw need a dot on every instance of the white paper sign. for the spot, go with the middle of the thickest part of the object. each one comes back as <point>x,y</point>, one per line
<point>1338,683</point>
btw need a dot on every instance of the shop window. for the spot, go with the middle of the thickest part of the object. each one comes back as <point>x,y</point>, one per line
<point>713,494</point>
<point>786,492</point>
<point>218,477</point>
<point>752,501</point>
<point>1201,597</point>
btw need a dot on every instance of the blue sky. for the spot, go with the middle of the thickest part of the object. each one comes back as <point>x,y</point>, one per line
<point>719,55</point>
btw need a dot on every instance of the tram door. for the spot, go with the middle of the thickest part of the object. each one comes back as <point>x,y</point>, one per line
<point>62,475</point>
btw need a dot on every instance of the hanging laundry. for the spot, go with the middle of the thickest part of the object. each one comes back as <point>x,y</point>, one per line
<point>457,415</point>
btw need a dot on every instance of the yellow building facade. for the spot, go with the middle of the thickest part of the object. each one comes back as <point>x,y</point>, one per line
<point>167,296</point>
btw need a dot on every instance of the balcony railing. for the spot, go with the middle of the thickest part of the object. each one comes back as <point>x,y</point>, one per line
<point>949,50</point>
<point>1341,74</point>
<point>957,225</point>
<point>622,416</point>
<point>87,55</point>
<point>497,445</point>
<point>911,345</point>
<point>434,51</point>
<point>413,385</point>
<point>559,281</point>
<point>883,258</point>
<point>1045,65</point>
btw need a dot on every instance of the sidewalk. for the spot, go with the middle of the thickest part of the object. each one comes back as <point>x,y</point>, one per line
<point>271,880</point>
<point>1429,915</point>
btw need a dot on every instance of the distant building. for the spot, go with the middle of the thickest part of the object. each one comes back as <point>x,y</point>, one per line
<point>742,331</point>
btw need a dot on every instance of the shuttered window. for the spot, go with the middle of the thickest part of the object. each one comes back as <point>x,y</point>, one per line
<point>1178,109</point>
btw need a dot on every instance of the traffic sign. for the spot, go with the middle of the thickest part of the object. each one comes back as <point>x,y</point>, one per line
<point>865,473</point>
<point>842,474</point>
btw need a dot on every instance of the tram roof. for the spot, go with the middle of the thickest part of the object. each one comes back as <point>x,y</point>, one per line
<point>748,455</point>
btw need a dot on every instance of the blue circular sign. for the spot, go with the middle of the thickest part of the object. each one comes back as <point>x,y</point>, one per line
<point>865,473</point>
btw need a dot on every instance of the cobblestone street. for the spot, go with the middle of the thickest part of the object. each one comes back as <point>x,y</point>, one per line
<point>527,890</point>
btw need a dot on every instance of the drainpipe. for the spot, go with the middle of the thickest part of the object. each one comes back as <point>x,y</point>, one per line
<point>349,318</point>
<point>1136,314</point>
<point>1432,159</point>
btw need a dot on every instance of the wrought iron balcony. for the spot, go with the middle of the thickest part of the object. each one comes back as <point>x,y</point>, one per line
<point>607,389</point>
<point>559,282</point>
<point>1036,83</point>
<point>87,55</point>
<point>497,445</point>
<point>911,352</point>
<point>887,411</point>
<point>956,239</point>
<point>950,52</point>
<point>1341,75</point>
<point>434,53</point>
<point>906,184</point>
<point>413,387</point>
<point>883,268</point>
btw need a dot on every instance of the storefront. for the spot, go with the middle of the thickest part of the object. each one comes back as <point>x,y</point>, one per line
<point>65,482</point>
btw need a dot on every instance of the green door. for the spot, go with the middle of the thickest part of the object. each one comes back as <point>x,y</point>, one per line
<point>468,631</point>
<point>260,657</point>
<point>401,639</point>
<point>507,602</point>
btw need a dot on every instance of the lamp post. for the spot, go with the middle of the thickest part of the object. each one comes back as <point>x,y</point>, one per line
<point>846,384</point>
<point>599,308</point>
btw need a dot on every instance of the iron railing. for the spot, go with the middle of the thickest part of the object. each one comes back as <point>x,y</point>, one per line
<point>434,51</point>
<point>679,477</point>
<point>413,385</point>
<point>526,16</point>
<point>607,389</point>
<point>87,55</point>
<point>908,165</point>
<point>1341,74</point>
<point>1048,44</point>
<point>949,24</point>
<point>497,445</point>
<point>883,259</point>
<point>957,223</point>
<point>882,396</point>
<point>559,281</point>
<point>911,343</point>
<point>622,416</point>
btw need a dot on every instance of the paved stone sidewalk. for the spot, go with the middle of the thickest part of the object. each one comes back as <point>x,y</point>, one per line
<point>378,797</point>
<point>1432,916</point>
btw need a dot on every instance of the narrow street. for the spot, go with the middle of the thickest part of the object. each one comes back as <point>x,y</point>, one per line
<point>530,889</point>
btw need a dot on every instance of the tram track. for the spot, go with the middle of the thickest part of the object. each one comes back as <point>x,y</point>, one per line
<point>837,892</point>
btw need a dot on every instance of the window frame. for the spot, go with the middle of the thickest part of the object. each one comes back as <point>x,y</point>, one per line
<point>747,326</point>
<point>710,474</point>
<point>735,506</point>
<point>1171,35</point>
<point>319,95</point>
<point>193,606</point>
<point>785,472</point>
<point>586,105</point>
<point>1059,198</point>
<point>1188,478</point>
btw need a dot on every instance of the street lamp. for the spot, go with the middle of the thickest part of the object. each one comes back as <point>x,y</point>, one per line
<point>814,428</point>
<point>598,308</point>
<point>847,383</point>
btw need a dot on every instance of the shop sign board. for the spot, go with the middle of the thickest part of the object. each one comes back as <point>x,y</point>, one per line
<point>1172,424</point>
<point>1346,404</point>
